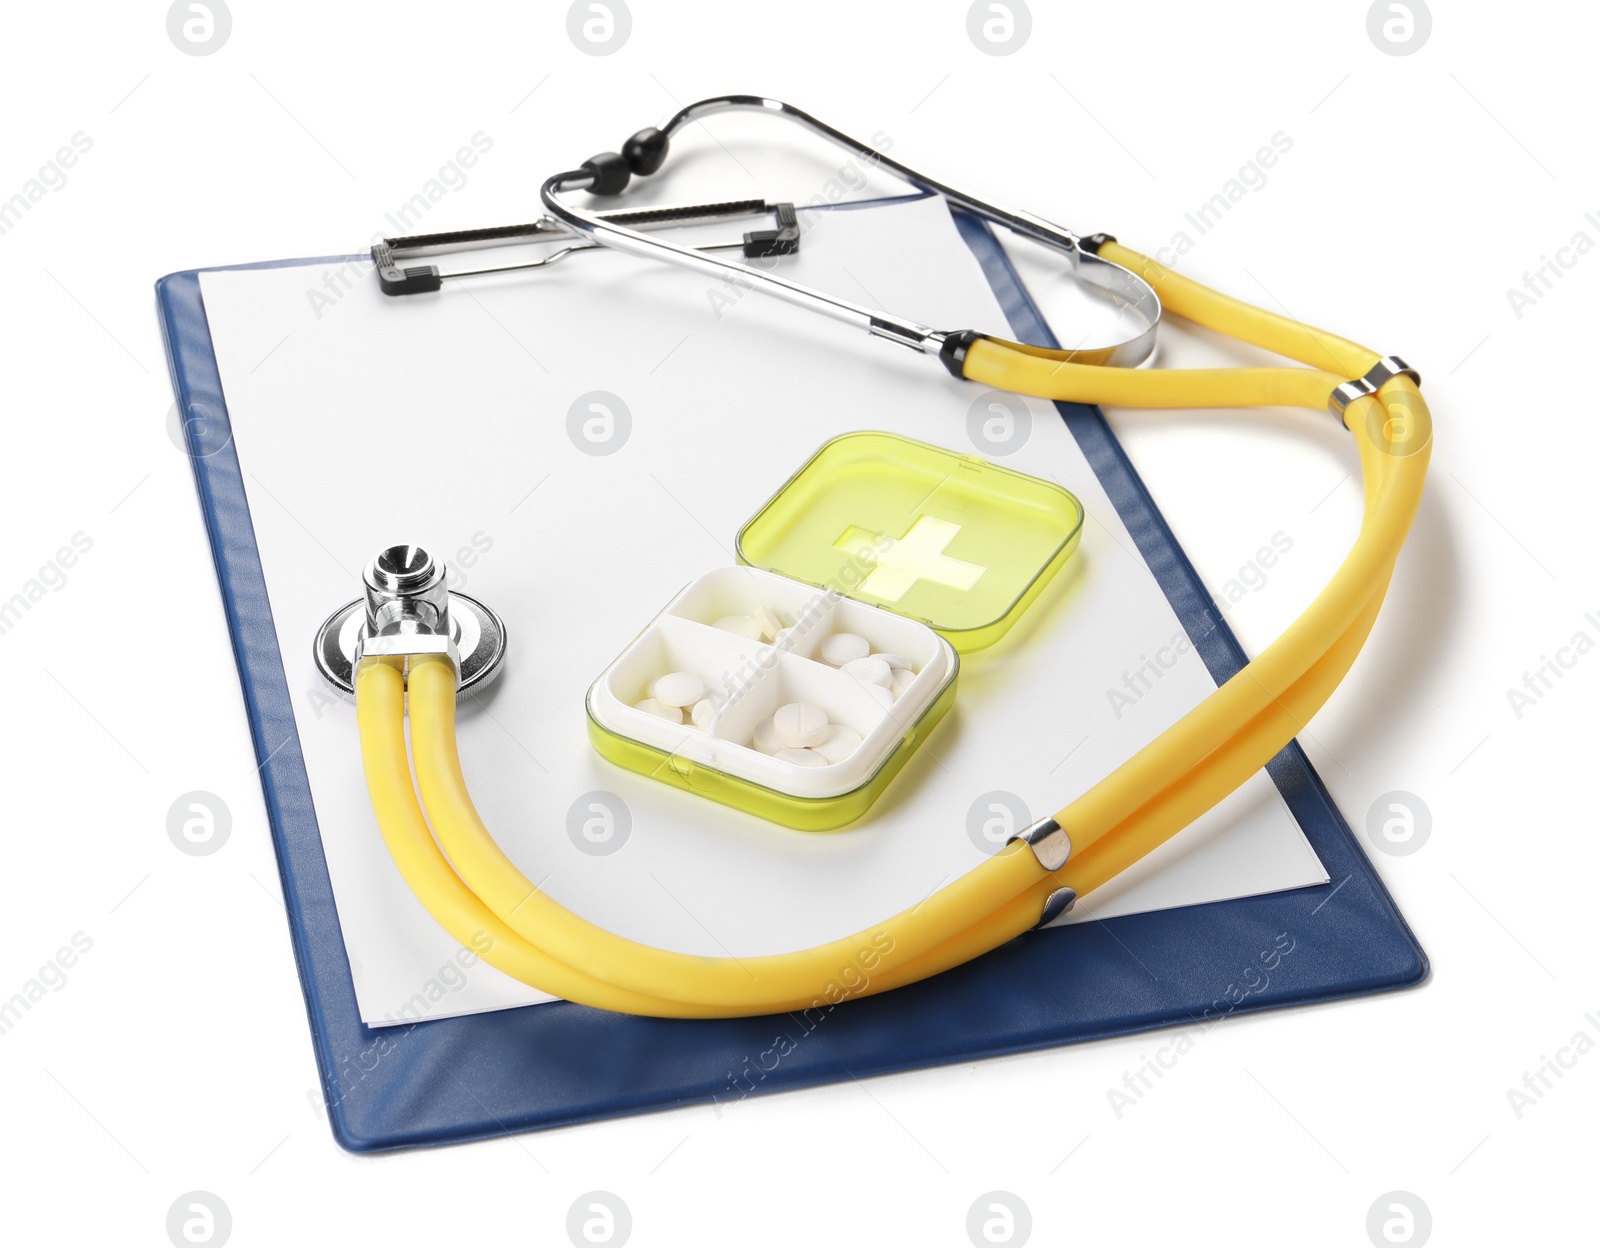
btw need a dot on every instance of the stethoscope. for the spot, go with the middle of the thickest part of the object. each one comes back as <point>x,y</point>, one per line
<point>409,646</point>
<point>645,153</point>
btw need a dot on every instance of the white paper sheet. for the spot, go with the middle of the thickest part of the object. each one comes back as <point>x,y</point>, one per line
<point>361,420</point>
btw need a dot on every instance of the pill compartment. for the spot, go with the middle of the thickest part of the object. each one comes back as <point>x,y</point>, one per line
<point>759,677</point>
<point>924,552</point>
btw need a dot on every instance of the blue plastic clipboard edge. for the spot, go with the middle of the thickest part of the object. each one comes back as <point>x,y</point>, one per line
<point>480,1076</point>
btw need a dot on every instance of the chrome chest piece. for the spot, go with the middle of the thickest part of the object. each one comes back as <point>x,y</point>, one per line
<point>406,611</point>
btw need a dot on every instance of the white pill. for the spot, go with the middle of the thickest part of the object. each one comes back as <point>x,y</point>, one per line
<point>769,624</point>
<point>871,670</point>
<point>840,648</point>
<point>897,661</point>
<point>651,707</point>
<point>766,738</point>
<point>880,695</point>
<point>781,636</point>
<point>741,624</point>
<point>901,681</point>
<point>801,758</point>
<point>702,715</point>
<point>800,724</point>
<point>841,742</point>
<point>679,689</point>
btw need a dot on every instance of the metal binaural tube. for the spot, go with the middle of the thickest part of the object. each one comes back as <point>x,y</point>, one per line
<point>1121,285</point>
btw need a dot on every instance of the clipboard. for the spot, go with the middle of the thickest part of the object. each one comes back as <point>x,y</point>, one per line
<point>457,1079</point>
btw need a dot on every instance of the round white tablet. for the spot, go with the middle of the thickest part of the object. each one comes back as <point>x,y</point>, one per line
<point>880,695</point>
<point>840,648</point>
<point>871,670</point>
<point>679,689</point>
<point>800,724</point>
<point>766,738</point>
<point>651,707</point>
<point>841,742</point>
<point>897,661</point>
<point>801,758</point>
<point>901,681</point>
<point>741,624</point>
<point>702,715</point>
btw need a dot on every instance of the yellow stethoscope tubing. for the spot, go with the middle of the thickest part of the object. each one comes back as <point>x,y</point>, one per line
<point>784,979</point>
<point>1001,898</point>
<point>473,924</point>
<point>1185,801</point>
<point>1294,340</point>
<point>1362,575</point>
<point>380,709</point>
<point>539,918</point>
<point>506,949</point>
<point>778,980</point>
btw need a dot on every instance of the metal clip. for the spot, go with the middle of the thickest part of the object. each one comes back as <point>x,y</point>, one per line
<point>397,277</point>
<point>783,241</point>
<point>1052,847</point>
<point>1055,905</point>
<point>1347,393</point>
<point>1049,843</point>
<point>1387,369</point>
<point>1378,376</point>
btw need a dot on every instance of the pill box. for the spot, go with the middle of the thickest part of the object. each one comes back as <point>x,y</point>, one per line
<point>925,553</point>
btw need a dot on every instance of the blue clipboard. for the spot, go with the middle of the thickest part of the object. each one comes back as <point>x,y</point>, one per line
<point>458,1079</point>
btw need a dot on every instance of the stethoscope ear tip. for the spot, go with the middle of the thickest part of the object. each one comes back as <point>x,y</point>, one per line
<point>646,151</point>
<point>610,172</point>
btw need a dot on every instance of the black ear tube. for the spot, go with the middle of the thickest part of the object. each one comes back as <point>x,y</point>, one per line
<point>645,151</point>
<point>610,173</point>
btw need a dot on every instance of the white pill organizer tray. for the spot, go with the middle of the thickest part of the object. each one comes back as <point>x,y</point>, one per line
<point>796,690</point>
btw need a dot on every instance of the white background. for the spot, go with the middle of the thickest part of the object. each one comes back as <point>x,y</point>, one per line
<point>1417,191</point>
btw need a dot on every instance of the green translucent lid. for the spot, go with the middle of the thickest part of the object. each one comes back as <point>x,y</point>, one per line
<point>951,540</point>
